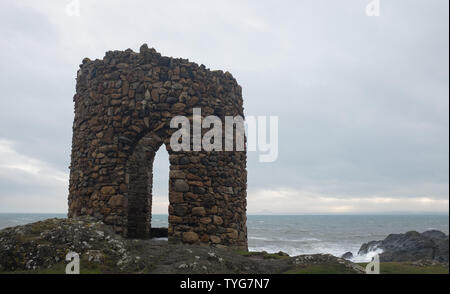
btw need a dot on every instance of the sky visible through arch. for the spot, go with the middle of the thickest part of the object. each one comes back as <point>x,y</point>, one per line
<point>363,102</point>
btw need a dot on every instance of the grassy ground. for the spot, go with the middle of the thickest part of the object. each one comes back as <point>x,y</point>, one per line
<point>264,255</point>
<point>408,268</point>
<point>385,268</point>
<point>321,267</point>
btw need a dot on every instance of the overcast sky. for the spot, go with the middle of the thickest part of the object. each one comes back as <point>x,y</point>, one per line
<point>363,102</point>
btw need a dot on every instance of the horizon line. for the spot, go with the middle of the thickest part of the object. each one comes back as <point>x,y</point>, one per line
<point>284,214</point>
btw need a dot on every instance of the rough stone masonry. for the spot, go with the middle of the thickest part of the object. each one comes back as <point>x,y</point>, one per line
<point>123,107</point>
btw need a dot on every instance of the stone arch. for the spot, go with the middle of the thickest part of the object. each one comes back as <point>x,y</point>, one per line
<point>123,105</point>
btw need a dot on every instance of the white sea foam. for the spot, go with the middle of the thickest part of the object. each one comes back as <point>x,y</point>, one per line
<point>368,256</point>
<point>333,249</point>
<point>306,239</point>
<point>281,239</point>
<point>260,238</point>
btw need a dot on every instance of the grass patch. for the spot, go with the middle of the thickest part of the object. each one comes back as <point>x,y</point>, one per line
<point>38,227</point>
<point>263,254</point>
<point>409,268</point>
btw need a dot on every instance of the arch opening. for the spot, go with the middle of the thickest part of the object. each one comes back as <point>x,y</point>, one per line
<point>139,180</point>
<point>160,194</point>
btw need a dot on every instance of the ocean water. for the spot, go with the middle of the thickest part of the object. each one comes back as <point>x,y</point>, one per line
<point>333,234</point>
<point>16,219</point>
<point>303,234</point>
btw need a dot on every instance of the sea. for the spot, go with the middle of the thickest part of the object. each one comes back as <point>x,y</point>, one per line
<point>303,234</point>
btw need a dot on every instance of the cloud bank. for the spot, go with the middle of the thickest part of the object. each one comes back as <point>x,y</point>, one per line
<point>362,101</point>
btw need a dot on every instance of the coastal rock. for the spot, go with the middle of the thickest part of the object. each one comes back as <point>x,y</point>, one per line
<point>347,255</point>
<point>368,247</point>
<point>441,253</point>
<point>435,235</point>
<point>411,246</point>
<point>43,246</point>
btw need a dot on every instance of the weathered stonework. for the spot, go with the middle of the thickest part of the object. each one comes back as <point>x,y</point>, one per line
<point>123,107</point>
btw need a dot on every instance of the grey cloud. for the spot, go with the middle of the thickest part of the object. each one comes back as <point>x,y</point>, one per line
<point>362,101</point>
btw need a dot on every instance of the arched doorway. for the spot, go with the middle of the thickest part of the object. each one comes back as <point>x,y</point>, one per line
<point>160,194</point>
<point>139,179</point>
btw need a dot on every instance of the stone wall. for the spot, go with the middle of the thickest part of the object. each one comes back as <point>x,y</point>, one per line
<point>123,107</point>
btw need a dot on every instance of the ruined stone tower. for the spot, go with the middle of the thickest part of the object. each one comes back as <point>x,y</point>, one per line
<point>123,108</point>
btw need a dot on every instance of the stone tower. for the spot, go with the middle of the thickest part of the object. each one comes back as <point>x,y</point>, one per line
<point>123,108</point>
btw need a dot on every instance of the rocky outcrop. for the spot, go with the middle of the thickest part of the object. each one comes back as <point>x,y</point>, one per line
<point>347,255</point>
<point>44,245</point>
<point>368,247</point>
<point>411,246</point>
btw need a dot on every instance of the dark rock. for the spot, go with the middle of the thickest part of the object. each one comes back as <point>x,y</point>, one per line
<point>180,210</point>
<point>435,234</point>
<point>184,160</point>
<point>199,190</point>
<point>124,139</point>
<point>281,253</point>
<point>171,100</point>
<point>441,253</point>
<point>181,186</point>
<point>347,255</point>
<point>411,246</point>
<point>370,246</point>
<point>164,61</point>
